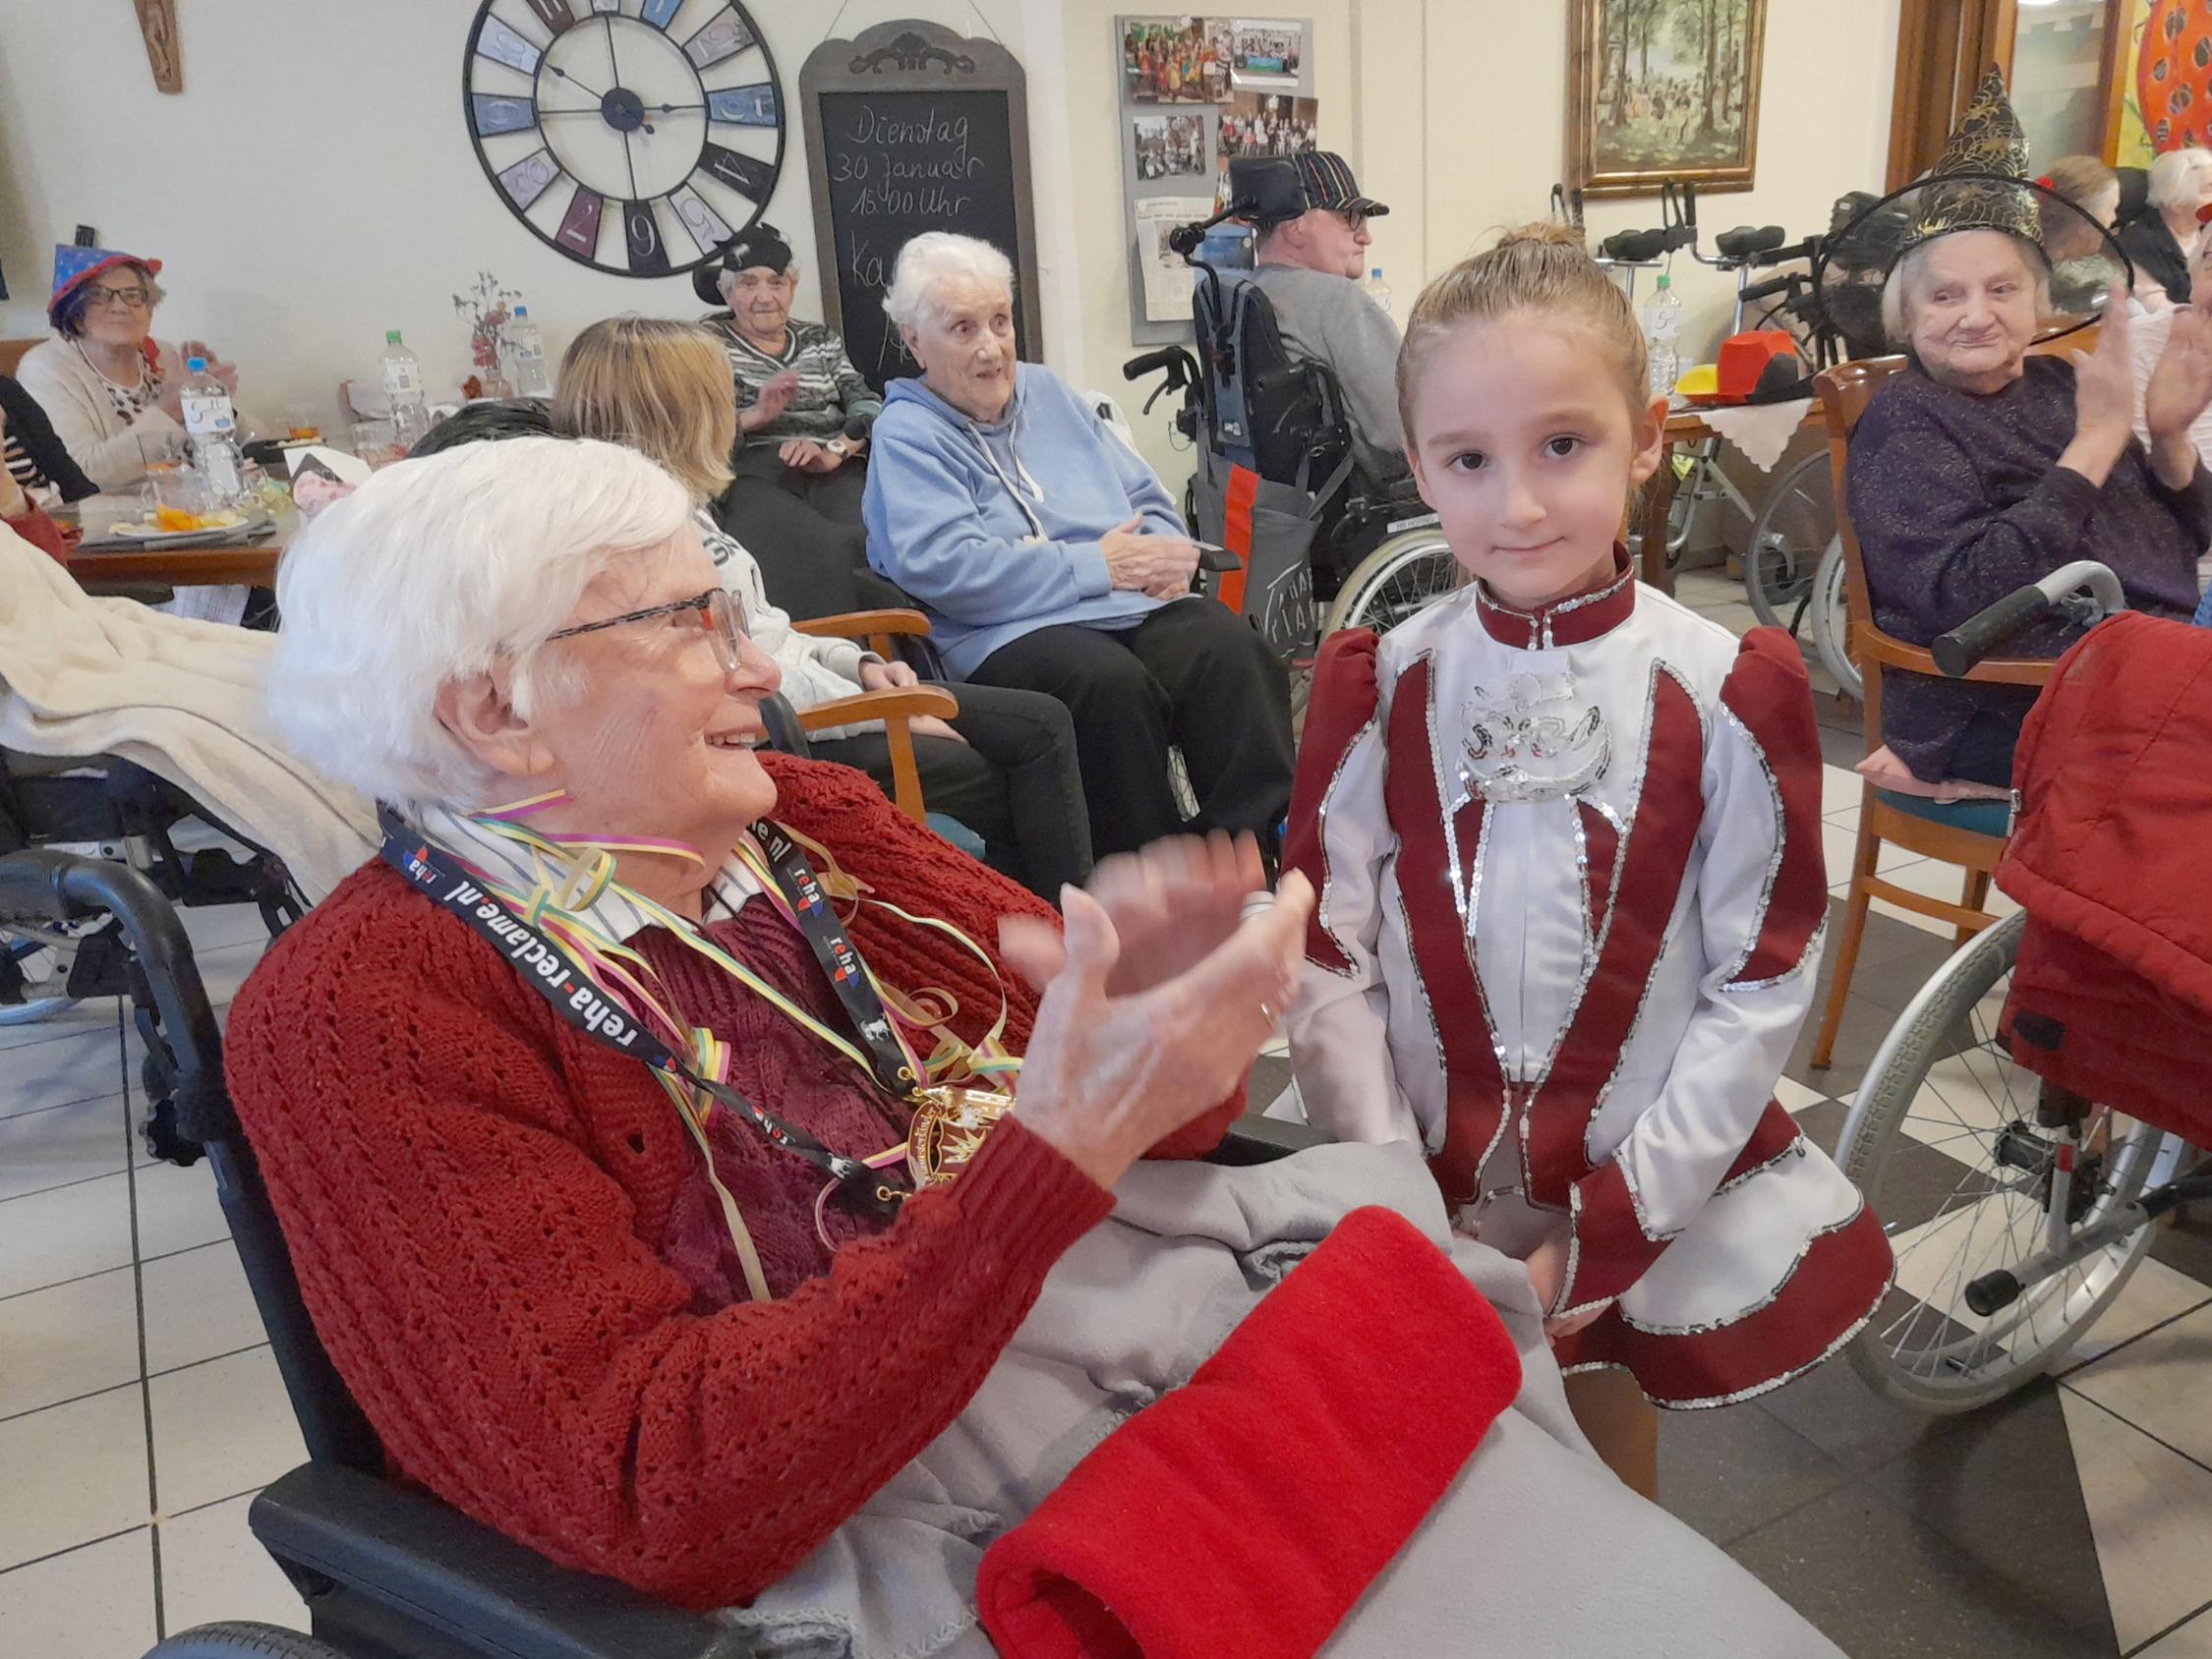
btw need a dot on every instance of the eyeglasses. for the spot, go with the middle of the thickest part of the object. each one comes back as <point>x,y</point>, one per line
<point>135,297</point>
<point>1353,223</point>
<point>716,609</point>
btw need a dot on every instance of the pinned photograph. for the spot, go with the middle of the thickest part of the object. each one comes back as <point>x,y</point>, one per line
<point>1268,123</point>
<point>1170,147</point>
<point>1176,60</point>
<point>1266,52</point>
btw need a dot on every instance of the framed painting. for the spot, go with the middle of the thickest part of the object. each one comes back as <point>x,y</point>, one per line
<point>1663,90</point>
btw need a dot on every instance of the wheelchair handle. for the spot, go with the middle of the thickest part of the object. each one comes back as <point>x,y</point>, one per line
<point>2060,591</point>
<point>1772,286</point>
<point>1745,240</point>
<point>1174,361</point>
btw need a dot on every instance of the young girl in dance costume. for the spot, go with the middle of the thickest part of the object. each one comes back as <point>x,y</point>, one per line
<point>1567,837</point>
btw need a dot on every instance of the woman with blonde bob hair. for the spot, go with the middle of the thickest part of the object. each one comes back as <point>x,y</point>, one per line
<point>1005,767</point>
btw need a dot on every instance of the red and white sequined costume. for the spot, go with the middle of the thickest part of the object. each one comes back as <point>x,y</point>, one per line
<point>1572,895</point>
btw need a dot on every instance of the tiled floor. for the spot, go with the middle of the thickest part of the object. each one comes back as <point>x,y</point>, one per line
<point>140,1409</point>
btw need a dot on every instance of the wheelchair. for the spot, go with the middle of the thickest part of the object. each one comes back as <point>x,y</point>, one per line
<point>387,1572</point>
<point>1301,541</point>
<point>2062,1192</point>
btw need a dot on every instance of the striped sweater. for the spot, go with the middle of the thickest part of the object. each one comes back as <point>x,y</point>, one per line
<point>830,389</point>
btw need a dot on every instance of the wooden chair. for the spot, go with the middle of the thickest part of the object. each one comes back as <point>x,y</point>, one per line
<point>1883,817</point>
<point>897,709</point>
<point>12,353</point>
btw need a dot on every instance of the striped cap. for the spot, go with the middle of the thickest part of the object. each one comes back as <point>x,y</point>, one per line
<point>1328,180</point>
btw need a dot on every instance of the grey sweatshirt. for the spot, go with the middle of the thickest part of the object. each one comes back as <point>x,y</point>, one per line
<point>1329,319</point>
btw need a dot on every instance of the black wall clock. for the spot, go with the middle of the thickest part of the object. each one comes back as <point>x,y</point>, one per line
<point>634,135</point>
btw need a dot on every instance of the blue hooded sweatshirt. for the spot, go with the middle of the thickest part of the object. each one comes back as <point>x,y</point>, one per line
<point>996,528</point>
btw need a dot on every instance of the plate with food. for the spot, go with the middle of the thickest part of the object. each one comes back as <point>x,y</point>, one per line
<point>172,526</point>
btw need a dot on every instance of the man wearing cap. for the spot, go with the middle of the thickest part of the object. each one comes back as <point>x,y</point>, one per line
<point>802,409</point>
<point>1312,227</point>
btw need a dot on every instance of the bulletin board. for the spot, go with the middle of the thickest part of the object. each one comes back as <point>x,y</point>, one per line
<point>1194,91</point>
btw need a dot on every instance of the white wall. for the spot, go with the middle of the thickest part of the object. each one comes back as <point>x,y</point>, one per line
<point>314,184</point>
<point>348,199</point>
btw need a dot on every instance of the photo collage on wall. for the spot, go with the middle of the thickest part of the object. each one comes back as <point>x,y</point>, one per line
<point>1197,93</point>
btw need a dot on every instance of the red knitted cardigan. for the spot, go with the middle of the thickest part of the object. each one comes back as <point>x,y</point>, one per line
<point>478,1201</point>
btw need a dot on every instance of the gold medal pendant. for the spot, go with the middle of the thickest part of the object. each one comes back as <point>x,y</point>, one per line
<point>948,1130</point>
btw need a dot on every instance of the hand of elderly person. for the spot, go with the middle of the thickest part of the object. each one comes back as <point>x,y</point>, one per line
<point>774,398</point>
<point>2179,388</point>
<point>1121,1058</point>
<point>803,454</point>
<point>2104,396</point>
<point>1140,562</point>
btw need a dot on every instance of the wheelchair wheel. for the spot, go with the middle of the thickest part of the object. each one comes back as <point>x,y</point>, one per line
<point>1402,576</point>
<point>1943,1105</point>
<point>233,1638</point>
<point>34,974</point>
<point>1829,621</point>
<point>1794,529</point>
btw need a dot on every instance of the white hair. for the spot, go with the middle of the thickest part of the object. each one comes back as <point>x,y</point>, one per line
<point>1897,295</point>
<point>935,256</point>
<point>437,569</point>
<point>2173,177</point>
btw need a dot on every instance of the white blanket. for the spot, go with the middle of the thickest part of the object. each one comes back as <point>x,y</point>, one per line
<point>1536,1551</point>
<point>81,676</point>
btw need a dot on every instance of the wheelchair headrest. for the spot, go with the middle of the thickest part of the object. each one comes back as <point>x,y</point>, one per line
<point>1271,184</point>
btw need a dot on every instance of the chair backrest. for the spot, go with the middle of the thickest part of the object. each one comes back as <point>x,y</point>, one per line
<point>1845,391</point>
<point>12,353</point>
<point>1279,415</point>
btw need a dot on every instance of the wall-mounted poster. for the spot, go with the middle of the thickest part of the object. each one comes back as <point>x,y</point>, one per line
<point>1166,278</point>
<point>1170,147</point>
<point>1174,60</point>
<point>1266,52</point>
<point>1663,90</point>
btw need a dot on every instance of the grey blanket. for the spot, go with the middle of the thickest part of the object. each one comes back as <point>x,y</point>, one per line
<point>1534,1551</point>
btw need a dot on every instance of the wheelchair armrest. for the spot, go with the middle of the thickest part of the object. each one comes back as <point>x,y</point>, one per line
<point>1253,1139</point>
<point>432,1566</point>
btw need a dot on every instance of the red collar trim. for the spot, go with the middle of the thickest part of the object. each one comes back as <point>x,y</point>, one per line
<point>1575,620</point>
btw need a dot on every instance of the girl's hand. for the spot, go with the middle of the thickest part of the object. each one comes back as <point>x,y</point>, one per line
<point>887,676</point>
<point>1548,1272</point>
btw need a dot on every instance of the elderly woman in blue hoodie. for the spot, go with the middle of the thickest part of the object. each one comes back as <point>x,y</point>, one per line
<point>1051,558</point>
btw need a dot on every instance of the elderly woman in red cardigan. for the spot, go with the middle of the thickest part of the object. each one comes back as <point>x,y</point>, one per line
<point>646,1132</point>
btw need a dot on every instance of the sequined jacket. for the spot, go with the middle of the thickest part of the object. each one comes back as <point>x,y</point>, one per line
<point>1572,897</point>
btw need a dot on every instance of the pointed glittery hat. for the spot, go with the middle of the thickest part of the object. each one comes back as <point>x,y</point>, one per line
<point>1967,189</point>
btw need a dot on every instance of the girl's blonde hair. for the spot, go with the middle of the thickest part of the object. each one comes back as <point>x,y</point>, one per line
<point>659,388</point>
<point>1542,268</point>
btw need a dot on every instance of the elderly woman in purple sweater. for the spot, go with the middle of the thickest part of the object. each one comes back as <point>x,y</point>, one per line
<point>1981,468</point>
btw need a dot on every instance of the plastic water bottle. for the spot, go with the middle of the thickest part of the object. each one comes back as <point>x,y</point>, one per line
<point>1662,324</point>
<point>402,372</point>
<point>526,356</point>
<point>211,423</point>
<point>1377,290</point>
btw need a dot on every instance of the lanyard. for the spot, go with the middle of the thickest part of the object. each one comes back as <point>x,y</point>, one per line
<point>576,996</point>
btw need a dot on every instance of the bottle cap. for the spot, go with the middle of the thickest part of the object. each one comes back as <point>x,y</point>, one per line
<point>1376,274</point>
<point>195,366</point>
<point>1666,281</point>
<point>522,311</point>
<point>391,336</point>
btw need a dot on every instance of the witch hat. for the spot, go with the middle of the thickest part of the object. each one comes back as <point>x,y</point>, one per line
<point>1988,149</point>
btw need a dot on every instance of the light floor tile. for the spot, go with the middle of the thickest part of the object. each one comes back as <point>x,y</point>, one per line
<point>1847,819</point>
<point>222,972</point>
<point>221,1428</point>
<point>1794,1096</point>
<point>2154,1293</point>
<point>73,1021</point>
<point>67,1233</point>
<point>82,1066</point>
<point>2151,1513</point>
<point>213,1568</point>
<point>2193,1640</point>
<point>69,1341</point>
<point>178,1209</point>
<point>92,1603</point>
<point>72,1473</point>
<point>62,1145</point>
<point>217,926</point>
<point>1841,847</point>
<point>2163,1384</point>
<point>197,1305</point>
<point>1841,788</point>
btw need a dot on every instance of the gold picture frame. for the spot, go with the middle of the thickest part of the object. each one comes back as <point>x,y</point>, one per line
<point>1684,73</point>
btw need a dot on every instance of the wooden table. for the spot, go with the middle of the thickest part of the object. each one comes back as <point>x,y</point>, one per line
<point>1684,426</point>
<point>251,564</point>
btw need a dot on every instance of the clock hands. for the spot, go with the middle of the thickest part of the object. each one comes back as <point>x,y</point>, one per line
<point>573,81</point>
<point>629,152</point>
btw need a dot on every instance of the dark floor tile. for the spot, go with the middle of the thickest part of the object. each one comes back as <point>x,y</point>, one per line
<point>1884,1585</point>
<point>2184,1243</point>
<point>1843,739</point>
<point>1270,1076</point>
<point>2001,1484</point>
<point>1837,1411</point>
<point>1857,1039</point>
<point>1730,1472</point>
<point>1918,1183</point>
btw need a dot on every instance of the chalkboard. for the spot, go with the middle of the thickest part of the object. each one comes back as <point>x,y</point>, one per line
<point>912,128</point>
